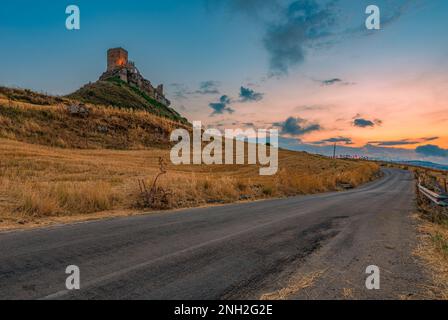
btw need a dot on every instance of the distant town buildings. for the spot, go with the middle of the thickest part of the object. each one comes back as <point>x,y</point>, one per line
<point>349,156</point>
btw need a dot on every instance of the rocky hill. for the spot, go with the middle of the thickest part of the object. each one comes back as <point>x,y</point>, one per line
<point>123,86</point>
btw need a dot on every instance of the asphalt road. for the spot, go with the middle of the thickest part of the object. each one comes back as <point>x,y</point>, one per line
<point>231,252</point>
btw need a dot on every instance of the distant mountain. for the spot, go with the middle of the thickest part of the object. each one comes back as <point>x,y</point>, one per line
<point>372,152</point>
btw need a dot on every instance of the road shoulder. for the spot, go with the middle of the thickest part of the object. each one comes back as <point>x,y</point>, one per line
<point>432,249</point>
<point>387,237</point>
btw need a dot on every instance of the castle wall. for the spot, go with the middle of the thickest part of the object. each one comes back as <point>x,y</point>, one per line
<point>123,75</point>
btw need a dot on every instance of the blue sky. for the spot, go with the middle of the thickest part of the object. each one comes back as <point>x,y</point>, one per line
<point>171,41</point>
<point>299,64</point>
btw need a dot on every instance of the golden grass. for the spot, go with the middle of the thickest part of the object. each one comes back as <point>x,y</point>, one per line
<point>295,285</point>
<point>39,182</point>
<point>50,199</point>
<point>348,293</point>
<point>433,250</point>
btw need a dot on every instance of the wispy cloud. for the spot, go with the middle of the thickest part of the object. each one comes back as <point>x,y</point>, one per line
<point>181,91</point>
<point>208,87</point>
<point>334,81</point>
<point>249,95</point>
<point>295,26</point>
<point>302,22</point>
<point>311,108</point>
<point>402,142</point>
<point>344,140</point>
<point>330,82</point>
<point>222,106</point>
<point>252,8</point>
<point>398,9</point>
<point>365,123</point>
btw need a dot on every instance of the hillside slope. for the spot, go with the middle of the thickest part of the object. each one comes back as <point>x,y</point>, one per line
<point>117,93</point>
<point>39,119</point>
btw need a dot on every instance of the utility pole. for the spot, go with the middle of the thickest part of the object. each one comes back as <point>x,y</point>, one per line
<point>445,185</point>
<point>334,151</point>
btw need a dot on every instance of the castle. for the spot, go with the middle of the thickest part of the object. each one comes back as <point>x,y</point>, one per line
<point>118,66</point>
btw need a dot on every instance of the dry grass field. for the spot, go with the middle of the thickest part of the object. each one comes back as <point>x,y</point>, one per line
<point>433,250</point>
<point>432,225</point>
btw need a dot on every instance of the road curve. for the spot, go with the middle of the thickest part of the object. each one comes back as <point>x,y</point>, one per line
<point>235,251</point>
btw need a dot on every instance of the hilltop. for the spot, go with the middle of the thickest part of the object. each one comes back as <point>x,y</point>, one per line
<point>123,86</point>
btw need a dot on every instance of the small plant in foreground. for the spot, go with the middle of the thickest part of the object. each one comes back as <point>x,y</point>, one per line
<point>156,197</point>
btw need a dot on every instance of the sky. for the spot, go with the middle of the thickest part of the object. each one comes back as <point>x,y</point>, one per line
<point>309,68</point>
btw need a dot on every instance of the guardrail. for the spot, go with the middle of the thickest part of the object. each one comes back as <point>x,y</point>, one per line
<point>439,199</point>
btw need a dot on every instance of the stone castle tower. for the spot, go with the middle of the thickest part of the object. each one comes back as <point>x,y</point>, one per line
<point>116,58</point>
<point>119,66</point>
